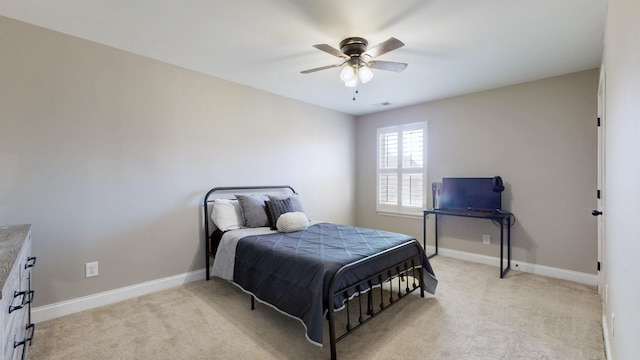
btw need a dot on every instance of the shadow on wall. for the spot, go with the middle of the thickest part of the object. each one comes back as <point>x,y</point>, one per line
<point>522,245</point>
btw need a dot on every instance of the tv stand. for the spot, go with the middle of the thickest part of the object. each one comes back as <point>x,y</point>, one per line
<point>505,219</point>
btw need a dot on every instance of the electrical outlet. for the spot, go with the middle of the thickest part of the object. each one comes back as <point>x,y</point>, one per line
<point>486,239</point>
<point>91,269</point>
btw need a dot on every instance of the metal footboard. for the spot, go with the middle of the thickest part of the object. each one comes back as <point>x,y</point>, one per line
<point>407,271</point>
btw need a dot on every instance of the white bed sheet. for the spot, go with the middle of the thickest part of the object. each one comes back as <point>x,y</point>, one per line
<point>224,260</point>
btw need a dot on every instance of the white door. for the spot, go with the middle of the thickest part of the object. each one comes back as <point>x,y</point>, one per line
<point>599,211</point>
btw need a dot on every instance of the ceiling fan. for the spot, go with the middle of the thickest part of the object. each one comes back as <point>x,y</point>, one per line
<point>358,61</point>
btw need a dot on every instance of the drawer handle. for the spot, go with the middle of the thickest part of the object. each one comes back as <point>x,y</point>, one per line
<point>25,340</point>
<point>31,327</point>
<point>20,343</point>
<point>31,262</point>
<point>18,307</point>
<point>27,298</point>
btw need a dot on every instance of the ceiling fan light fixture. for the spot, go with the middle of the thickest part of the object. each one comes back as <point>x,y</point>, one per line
<point>365,74</point>
<point>351,83</point>
<point>348,74</point>
<point>357,60</point>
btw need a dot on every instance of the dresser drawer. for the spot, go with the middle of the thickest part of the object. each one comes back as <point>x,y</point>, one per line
<point>8,300</point>
<point>26,262</point>
<point>16,293</point>
<point>23,333</point>
<point>19,319</point>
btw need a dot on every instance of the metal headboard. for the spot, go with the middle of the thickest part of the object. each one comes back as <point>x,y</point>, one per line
<point>210,197</point>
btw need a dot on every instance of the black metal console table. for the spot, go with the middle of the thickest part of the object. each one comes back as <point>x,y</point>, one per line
<point>505,219</point>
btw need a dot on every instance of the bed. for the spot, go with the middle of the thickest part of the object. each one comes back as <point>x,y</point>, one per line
<point>261,240</point>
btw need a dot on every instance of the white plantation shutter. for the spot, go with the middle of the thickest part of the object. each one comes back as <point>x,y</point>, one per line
<point>387,168</point>
<point>401,169</point>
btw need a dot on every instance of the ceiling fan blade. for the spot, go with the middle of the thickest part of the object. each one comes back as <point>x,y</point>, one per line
<point>331,50</point>
<point>384,47</point>
<point>320,68</point>
<point>387,65</point>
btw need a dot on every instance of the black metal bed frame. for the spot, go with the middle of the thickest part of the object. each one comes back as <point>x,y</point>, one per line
<point>400,272</point>
<point>208,234</point>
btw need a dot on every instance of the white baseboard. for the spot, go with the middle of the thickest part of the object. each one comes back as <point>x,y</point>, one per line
<point>605,333</point>
<point>52,311</point>
<point>583,278</point>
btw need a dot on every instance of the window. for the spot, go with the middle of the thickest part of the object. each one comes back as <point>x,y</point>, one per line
<point>401,169</point>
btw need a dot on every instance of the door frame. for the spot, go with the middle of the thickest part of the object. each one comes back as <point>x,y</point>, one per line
<point>601,219</point>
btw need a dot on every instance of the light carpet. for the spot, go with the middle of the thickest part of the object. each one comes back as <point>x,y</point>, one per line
<point>473,315</point>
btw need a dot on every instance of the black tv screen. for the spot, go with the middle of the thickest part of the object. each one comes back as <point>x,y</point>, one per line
<point>470,194</point>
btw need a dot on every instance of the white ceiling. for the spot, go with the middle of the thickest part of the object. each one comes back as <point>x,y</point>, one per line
<point>452,47</point>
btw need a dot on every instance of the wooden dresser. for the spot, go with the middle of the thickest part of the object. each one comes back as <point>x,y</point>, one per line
<point>16,296</point>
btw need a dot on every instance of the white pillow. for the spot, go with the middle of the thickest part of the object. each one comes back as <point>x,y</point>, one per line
<point>292,221</point>
<point>227,214</point>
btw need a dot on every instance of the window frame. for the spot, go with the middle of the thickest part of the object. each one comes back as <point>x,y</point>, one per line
<point>399,170</point>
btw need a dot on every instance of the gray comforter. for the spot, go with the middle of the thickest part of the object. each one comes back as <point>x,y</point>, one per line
<point>293,271</point>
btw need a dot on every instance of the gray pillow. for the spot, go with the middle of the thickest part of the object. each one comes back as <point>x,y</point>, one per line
<point>254,211</point>
<point>296,204</point>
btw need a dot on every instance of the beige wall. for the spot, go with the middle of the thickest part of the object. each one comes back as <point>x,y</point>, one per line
<point>109,155</point>
<point>539,136</point>
<point>622,193</point>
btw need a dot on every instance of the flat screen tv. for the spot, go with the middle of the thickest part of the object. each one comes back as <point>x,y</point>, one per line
<point>470,194</point>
